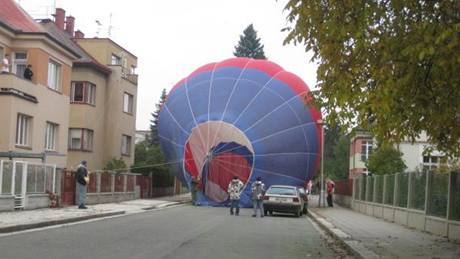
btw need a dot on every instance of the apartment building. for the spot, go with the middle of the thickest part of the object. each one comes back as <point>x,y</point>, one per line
<point>34,114</point>
<point>80,103</point>
<point>362,144</point>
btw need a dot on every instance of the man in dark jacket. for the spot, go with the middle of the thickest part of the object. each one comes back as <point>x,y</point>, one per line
<point>82,179</point>
<point>28,72</point>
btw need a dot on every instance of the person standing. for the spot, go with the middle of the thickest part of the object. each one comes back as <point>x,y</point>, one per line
<point>5,64</point>
<point>309,186</point>
<point>28,74</point>
<point>234,190</point>
<point>194,188</point>
<point>82,180</point>
<point>258,190</point>
<point>330,185</point>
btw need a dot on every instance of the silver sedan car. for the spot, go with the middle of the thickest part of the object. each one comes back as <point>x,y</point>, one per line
<point>285,199</point>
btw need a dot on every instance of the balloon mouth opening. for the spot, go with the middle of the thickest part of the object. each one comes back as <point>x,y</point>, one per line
<point>215,160</point>
<point>223,163</point>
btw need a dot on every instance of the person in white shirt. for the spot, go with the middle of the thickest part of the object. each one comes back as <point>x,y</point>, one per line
<point>234,190</point>
<point>5,64</point>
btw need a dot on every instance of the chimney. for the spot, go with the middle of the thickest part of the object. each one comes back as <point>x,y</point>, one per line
<point>59,17</point>
<point>79,34</point>
<point>69,24</point>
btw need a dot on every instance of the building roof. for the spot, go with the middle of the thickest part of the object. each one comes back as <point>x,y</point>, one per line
<point>110,41</point>
<point>16,18</point>
<point>66,39</point>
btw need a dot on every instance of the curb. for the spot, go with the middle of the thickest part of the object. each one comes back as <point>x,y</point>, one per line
<point>56,222</point>
<point>354,246</point>
<point>165,205</point>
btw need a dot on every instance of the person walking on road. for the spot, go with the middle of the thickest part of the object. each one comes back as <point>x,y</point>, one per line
<point>330,185</point>
<point>234,190</point>
<point>82,178</point>
<point>258,191</point>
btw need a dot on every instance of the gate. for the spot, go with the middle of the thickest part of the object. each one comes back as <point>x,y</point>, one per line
<point>68,188</point>
<point>19,184</point>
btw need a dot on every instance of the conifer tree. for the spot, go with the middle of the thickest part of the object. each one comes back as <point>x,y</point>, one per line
<point>249,45</point>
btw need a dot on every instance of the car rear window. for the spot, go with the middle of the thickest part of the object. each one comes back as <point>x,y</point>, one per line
<point>281,191</point>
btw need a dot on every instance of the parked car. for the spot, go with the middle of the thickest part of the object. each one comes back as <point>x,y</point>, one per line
<point>285,199</point>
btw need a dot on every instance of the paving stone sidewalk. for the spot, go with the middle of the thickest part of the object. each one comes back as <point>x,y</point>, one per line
<point>375,238</point>
<point>28,219</point>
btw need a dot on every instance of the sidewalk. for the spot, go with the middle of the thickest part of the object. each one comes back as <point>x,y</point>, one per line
<point>371,237</point>
<point>22,220</point>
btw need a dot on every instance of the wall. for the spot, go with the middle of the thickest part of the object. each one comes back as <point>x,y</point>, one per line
<point>437,212</point>
<point>52,106</point>
<point>6,203</point>
<point>117,121</point>
<point>343,200</point>
<point>90,117</point>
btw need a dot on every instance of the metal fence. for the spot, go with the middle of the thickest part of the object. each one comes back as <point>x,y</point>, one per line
<point>436,194</point>
<point>20,178</point>
<point>344,187</point>
<point>108,182</point>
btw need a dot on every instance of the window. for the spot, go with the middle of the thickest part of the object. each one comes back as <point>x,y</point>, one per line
<point>133,70</point>
<point>23,130</point>
<point>125,145</point>
<point>20,63</point>
<point>366,150</point>
<point>50,136</point>
<point>431,162</point>
<point>81,139</point>
<point>83,92</point>
<point>128,103</point>
<point>116,60</point>
<point>53,75</point>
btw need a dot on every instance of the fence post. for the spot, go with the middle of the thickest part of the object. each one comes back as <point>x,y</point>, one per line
<point>409,189</point>
<point>112,183</point>
<point>98,179</point>
<point>427,191</point>
<point>396,190</point>
<point>374,192</point>
<point>384,196</point>
<point>449,196</point>
<point>1,176</point>
<point>125,183</point>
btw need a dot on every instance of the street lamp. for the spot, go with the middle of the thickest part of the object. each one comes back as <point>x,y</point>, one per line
<point>321,193</point>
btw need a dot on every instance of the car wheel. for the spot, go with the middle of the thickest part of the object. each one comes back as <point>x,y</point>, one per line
<point>297,214</point>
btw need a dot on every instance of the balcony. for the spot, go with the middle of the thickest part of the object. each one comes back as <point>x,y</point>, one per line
<point>131,78</point>
<point>15,86</point>
<point>125,73</point>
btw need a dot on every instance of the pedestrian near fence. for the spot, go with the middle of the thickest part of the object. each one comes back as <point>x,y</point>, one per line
<point>82,179</point>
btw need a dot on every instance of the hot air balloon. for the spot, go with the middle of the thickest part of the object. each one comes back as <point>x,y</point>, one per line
<point>240,117</point>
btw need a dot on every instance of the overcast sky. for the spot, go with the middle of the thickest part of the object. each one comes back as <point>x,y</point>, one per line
<point>171,38</point>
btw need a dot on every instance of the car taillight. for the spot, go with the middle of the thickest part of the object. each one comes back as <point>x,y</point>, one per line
<point>295,199</point>
<point>266,197</point>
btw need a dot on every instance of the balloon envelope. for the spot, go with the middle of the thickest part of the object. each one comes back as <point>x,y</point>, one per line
<point>240,117</point>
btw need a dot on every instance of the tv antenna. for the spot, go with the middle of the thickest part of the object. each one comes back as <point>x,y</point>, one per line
<point>109,30</point>
<point>99,24</point>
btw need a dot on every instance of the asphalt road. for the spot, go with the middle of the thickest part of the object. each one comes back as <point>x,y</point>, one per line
<point>179,232</point>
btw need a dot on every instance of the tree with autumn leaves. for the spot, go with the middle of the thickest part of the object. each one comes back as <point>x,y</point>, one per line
<point>391,67</point>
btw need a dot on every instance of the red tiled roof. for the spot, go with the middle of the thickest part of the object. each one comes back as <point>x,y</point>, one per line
<point>15,17</point>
